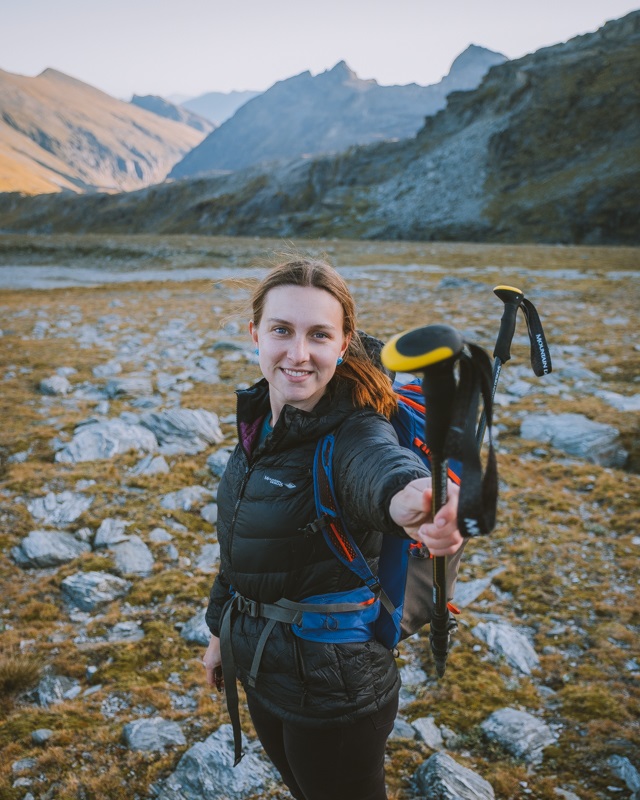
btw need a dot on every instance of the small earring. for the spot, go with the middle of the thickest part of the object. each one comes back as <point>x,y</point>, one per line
<point>339,361</point>
<point>256,351</point>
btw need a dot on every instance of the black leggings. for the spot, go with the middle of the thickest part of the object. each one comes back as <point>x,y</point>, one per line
<point>345,763</point>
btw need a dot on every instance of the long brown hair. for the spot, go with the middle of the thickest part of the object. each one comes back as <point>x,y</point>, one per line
<point>369,384</point>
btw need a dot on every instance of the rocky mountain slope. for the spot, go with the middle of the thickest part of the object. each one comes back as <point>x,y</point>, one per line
<point>217,107</point>
<point>163,108</point>
<point>58,133</point>
<point>307,115</point>
<point>546,149</point>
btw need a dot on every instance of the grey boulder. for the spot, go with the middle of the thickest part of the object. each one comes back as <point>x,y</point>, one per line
<point>86,590</point>
<point>56,385</point>
<point>48,549</point>
<point>110,533</point>
<point>185,499</point>
<point>443,778</point>
<point>578,436</point>
<point>519,733</point>
<point>509,642</point>
<point>133,557</point>
<point>184,430</point>
<point>100,440</point>
<point>195,629</point>
<point>54,689</point>
<point>152,734</point>
<point>206,771</point>
<point>60,509</point>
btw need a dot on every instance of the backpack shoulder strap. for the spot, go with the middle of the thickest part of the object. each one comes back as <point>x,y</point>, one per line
<point>331,522</point>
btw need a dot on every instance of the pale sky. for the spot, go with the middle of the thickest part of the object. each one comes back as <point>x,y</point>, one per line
<point>191,47</point>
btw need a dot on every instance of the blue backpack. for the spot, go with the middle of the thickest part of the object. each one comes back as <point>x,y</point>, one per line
<point>399,600</point>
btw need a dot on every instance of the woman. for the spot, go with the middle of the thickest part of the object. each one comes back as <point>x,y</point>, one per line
<point>323,711</point>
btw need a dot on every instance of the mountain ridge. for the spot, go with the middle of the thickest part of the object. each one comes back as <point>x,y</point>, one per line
<point>58,133</point>
<point>328,112</point>
<point>546,149</point>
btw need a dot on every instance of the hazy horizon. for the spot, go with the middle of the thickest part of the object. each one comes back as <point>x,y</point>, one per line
<point>198,46</point>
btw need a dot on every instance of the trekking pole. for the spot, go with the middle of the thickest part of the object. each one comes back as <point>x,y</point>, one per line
<point>514,299</point>
<point>432,351</point>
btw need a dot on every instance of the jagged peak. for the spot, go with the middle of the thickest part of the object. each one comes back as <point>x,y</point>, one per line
<point>473,54</point>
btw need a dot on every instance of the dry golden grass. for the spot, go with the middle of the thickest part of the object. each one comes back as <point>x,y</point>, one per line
<point>565,537</point>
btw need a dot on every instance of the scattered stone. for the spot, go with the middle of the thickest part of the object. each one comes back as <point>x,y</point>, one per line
<point>442,777</point>
<point>183,430</point>
<point>578,436</point>
<point>468,591</point>
<point>55,385</point>
<point>620,401</point>
<point>59,510</point>
<point>206,771</point>
<point>110,533</point>
<point>402,730</point>
<point>208,559</point>
<point>54,689</point>
<point>127,631</point>
<point>565,795</point>
<point>154,734</point>
<point>171,552</point>
<point>195,629</point>
<point>136,385</point>
<point>210,513</point>
<point>86,590</point>
<point>84,534</point>
<point>159,535</point>
<point>623,768</point>
<point>23,764</point>
<point>150,465</point>
<point>107,370</point>
<point>41,736</point>
<point>99,440</point>
<point>413,676</point>
<point>218,461</point>
<point>185,499</point>
<point>48,549</point>
<point>133,557</point>
<point>519,733</point>
<point>507,640</point>
<point>429,732</point>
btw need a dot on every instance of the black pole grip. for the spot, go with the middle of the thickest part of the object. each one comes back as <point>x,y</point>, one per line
<point>438,388</point>
<point>512,298</point>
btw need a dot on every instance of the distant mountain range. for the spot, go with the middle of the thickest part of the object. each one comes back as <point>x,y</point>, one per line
<point>218,107</point>
<point>327,113</point>
<point>58,133</point>
<point>546,149</point>
<point>164,108</point>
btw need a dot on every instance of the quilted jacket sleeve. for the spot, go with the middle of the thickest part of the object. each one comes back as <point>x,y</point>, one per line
<point>370,467</point>
<point>217,598</point>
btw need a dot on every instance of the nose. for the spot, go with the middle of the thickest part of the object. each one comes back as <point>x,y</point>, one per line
<point>298,350</point>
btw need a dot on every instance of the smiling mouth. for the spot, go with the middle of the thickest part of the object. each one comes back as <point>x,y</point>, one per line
<point>295,373</point>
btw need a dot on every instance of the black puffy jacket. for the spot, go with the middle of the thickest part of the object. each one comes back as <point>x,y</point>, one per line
<point>265,503</point>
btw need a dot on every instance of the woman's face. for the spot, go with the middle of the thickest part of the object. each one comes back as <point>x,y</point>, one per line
<point>300,339</point>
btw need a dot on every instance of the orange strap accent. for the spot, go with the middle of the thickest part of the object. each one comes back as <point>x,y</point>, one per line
<point>412,403</point>
<point>453,608</point>
<point>349,555</point>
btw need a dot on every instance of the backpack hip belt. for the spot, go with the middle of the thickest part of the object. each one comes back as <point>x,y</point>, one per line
<point>349,619</point>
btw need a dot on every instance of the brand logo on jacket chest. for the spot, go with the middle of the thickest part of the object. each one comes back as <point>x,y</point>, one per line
<point>276,482</point>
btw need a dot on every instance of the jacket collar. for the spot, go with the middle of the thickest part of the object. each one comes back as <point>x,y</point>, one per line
<point>293,425</point>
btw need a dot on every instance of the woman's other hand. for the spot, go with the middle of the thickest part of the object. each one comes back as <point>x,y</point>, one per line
<point>411,509</point>
<point>212,661</point>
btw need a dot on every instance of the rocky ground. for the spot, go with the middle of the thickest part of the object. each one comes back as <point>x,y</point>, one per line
<point>117,402</point>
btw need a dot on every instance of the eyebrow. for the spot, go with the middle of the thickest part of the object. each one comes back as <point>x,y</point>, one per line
<point>279,321</point>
